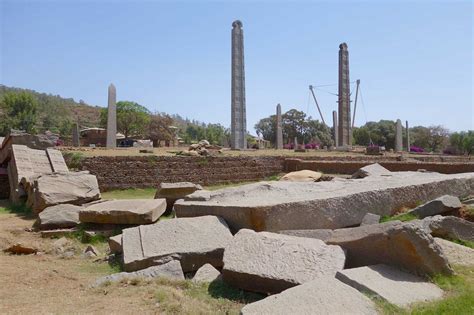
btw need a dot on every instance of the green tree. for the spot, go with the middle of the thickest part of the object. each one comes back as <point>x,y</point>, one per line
<point>468,142</point>
<point>19,110</point>
<point>159,129</point>
<point>132,119</point>
<point>266,128</point>
<point>381,133</point>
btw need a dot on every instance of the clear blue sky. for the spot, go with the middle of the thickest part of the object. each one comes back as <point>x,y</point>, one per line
<point>414,59</point>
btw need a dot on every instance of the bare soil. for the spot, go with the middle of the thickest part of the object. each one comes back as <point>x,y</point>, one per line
<point>48,283</point>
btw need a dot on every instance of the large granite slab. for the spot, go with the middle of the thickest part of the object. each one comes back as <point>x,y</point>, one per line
<point>391,284</point>
<point>192,241</point>
<point>275,206</point>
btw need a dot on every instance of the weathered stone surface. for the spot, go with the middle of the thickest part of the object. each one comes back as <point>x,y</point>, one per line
<point>456,254</point>
<point>171,270</point>
<point>448,227</point>
<point>115,244</point>
<point>275,206</point>
<point>192,241</point>
<point>370,218</point>
<point>174,191</point>
<point>398,136</point>
<point>393,243</point>
<point>270,263</point>
<point>59,216</point>
<point>207,273</point>
<point>372,170</point>
<point>320,234</point>
<point>58,188</point>
<point>302,176</point>
<point>124,211</point>
<point>439,205</point>
<point>112,117</point>
<point>279,130</point>
<point>325,295</point>
<point>58,232</point>
<point>391,284</point>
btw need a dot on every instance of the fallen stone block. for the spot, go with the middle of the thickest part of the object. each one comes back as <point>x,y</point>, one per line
<point>302,176</point>
<point>370,218</point>
<point>174,191</point>
<point>206,273</point>
<point>124,211</point>
<point>372,170</point>
<point>115,244</point>
<point>325,295</point>
<point>59,216</point>
<point>448,227</point>
<point>393,243</point>
<point>270,263</point>
<point>391,284</point>
<point>439,205</point>
<point>455,253</point>
<point>281,205</point>
<point>59,188</point>
<point>171,270</point>
<point>192,241</point>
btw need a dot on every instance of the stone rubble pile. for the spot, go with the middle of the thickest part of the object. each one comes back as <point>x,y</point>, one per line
<point>313,247</point>
<point>202,148</point>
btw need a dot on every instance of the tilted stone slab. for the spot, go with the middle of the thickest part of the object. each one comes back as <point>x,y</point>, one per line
<point>270,263</point>
<point>394,243</point>
<point>320,234</point>
<point>58,164</point>
<point>439,205</point>
<point>456,254</point>
<point>192,241</point>
<point>391,284</point>
<point>275,206</point>
<point>448,227</point>
<point>124,211</point>
<point>171,270</point>
<point>372,170</point>
<point>174,191</point>
<point>59,216</point>
<point>325,295</point>
<point>207,273</point>
<point>58,188</point>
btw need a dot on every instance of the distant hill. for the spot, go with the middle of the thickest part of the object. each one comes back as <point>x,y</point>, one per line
<point>55,110</point>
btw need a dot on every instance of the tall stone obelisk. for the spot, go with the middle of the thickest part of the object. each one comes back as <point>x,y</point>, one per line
<point>334,125</point>
<point>398,136</point>
<point>112,118</point>
<point>238,112</point>
<point>344,134</point>
<point>407,130</point>
<point>279,131</point>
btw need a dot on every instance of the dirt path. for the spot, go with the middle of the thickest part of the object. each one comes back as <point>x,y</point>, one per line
<point>47,283</point>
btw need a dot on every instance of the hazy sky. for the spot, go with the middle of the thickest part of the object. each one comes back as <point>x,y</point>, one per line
<point>414,59</point>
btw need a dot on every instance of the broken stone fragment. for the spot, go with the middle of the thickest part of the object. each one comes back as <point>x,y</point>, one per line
<point>115,244</point>
<point>124,211</point>
<point>370,218</point>
<point>439,205</point>
<point>59,188</point>
<point>59,216</point>
<point>206,273</point>
<point>372,170</point>
<point>270,263</point>
<point>302,176</point>
<point>391,284</point>
<point>447,227</point>
<point>192,241</point>
<point>171,270</point>
<point>325,295</point>
<point>456,254</point>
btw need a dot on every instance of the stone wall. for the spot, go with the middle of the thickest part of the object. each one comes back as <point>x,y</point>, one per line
<point>122,172</point>
<point>148,171</point>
